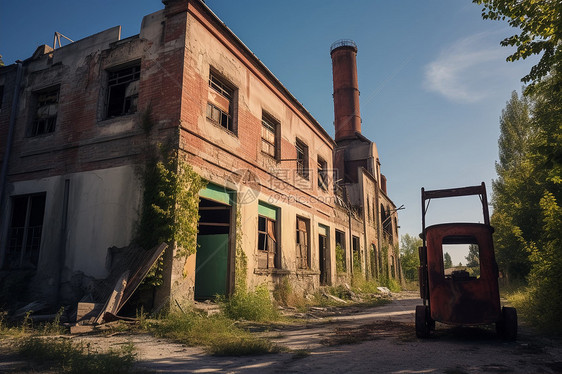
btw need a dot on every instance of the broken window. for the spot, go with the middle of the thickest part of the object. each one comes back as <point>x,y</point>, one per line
<point>220,108</point>
<point>340,251</point>
<point>356,253</point>
<point>461,257</point>
<point>24,235</point>
<point>302,158</point>
<point>269,135</point>
<point>322,173</point>
<point>123,91</point>
<point>45,117</point>
<point>302,243</point>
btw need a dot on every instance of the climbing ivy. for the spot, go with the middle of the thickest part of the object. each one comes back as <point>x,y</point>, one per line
<point>170,209</point>
<point>241,258</point>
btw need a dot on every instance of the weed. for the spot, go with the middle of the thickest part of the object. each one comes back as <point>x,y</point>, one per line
<point>69,357</point>
<point>218,333</point>
<point>285,295</point>
<point>250,305</point>
<point>54,327</point>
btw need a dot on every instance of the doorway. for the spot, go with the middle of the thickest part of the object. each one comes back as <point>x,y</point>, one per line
<point>212,257</point>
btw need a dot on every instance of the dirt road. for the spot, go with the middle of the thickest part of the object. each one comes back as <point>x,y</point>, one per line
<point>375,340</point>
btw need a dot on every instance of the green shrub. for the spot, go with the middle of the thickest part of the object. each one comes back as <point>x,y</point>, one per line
<point>251,305</point>
<point>217,333</point>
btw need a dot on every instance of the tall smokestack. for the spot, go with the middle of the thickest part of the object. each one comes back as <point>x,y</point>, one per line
<point>346,91</point>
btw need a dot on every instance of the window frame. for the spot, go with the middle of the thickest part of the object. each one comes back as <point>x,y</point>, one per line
<point>45,125</point>
<point>270,253</point>
<point>224,88</point>
<point>24,247</point>
<point>271,126</point>
<point>322,173</point>
<point>303,261</point>
<point>302,158</point>
<point>128,102</point>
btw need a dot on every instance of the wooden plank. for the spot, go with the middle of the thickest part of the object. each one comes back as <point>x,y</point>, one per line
<point>140,274</point>
<point>115,298</point>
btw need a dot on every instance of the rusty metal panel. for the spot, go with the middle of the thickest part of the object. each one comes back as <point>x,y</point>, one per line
<point>471,300</point>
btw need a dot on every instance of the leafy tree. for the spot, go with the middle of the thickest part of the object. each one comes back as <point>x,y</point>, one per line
<point>473,257</point>
<point>1,61</point>
<point>515,200</point>
<point>409,257</point>
<point>539,23</point>
<point>447,261</point>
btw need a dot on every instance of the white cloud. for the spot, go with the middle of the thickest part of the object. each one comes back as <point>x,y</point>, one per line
<point>471,69</point>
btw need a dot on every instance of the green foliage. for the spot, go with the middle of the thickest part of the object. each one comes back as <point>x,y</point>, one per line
<point>217,333</point>
<point>340,259</point>
<point>538,23</point>
<point>514,191</point>
<point>170,209</point>
<point>473,260</point>
<point>447,261</point>
<point>357,262</point>
<point>241,258</point>
<point>250,305</point>
<point>527,196</point>
<point>65,356</point>
<point>409,257</point>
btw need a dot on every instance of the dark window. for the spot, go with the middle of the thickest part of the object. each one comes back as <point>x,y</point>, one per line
<point>322,174</point>
<point>47,107</point>
<point>24,235</point>
<point>269,130</point>
<point>1,95</point>
<point>302,243</point>
<point>220,108</point>
<point>267,242</point>
<point>302,158</point>
<point>123,91</point>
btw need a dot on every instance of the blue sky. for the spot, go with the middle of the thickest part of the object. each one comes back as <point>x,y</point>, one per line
<point>432,76</point>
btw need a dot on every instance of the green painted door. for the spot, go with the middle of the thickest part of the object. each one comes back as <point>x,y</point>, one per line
<point>211,265</point>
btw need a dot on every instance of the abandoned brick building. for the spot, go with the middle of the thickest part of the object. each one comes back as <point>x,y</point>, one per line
<point>72,141</point>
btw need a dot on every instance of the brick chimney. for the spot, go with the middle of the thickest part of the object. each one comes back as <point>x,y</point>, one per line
<point>346,92</point>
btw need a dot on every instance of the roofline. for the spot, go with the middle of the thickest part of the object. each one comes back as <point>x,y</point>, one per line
<point>265,70</point>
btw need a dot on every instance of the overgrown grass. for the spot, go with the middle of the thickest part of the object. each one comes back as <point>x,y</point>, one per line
<point>66,356</point>
<point>254,305</point>
<point>28,327</point>
<point>217,333</point>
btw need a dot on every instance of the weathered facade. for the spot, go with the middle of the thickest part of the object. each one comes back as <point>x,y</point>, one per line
<point>74,138</point>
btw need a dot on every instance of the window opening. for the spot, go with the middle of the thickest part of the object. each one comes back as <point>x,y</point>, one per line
<point>461,258</point>
<point>123,91</point>
<point>24,235</point>
<point>46,112</point>
<point>267,242</point>
<point>220,110</point>
<point>356,253</point>
<point>302,158</point>
<point>269,135</point>
<point>322,174</point>
<point>340,251</point>
<point>302,243</point>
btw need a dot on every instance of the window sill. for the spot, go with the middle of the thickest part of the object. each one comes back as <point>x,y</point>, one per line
<point>112,120</point>
<point>218,125</point>
<point>272,272</point>
<point>307,272</point>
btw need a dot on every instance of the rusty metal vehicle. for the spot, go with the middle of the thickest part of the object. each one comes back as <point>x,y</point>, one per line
<point>460,295</point>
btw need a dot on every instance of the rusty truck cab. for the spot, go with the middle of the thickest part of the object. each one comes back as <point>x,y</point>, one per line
<point>457,296</point>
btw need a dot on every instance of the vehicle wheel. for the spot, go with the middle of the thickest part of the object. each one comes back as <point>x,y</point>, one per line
<point>423,326</point>
<point>507,326</point>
